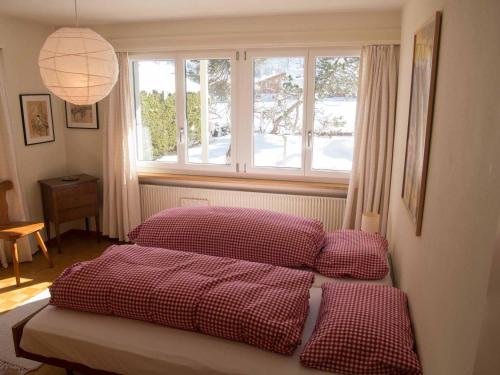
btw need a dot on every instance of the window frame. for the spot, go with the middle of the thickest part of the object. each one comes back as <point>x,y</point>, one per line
<point>242,95</point>
<point>207,55</point>
<point>248,109</point>
<point>182,165</point>
<point>133,59</point>
<point>313,54</point>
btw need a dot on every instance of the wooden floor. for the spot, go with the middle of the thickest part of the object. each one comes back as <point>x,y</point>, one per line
<point>37,276</point>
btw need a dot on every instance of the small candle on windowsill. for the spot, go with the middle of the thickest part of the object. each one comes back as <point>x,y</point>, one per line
<point>370,222</point>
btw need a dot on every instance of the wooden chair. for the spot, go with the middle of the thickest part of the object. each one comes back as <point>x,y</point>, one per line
<point>10,232</point>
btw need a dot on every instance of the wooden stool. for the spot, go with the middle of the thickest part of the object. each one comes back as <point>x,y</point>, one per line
<point>10,232</point>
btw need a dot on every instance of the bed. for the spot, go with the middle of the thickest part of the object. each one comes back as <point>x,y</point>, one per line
<point>106,344</point>
<point>71,339</point>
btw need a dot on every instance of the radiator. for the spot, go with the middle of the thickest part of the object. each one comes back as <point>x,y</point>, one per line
<point>329,210</point>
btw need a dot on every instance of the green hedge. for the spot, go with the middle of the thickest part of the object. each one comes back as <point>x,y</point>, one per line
<point>158,117</point>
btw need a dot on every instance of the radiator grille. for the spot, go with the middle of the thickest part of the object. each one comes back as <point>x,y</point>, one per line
<point>330,211</point>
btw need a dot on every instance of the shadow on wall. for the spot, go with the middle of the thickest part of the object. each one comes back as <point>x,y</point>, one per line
<point>487,358</point>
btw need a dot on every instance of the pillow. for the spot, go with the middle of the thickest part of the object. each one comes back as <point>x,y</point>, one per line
<point>241,233</point>
<point>362,329</point>
<point>354,254</point>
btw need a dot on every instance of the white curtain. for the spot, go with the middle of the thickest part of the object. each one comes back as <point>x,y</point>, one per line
<point>8,171</point>
<point>374,135</point>
<point>121,185</point>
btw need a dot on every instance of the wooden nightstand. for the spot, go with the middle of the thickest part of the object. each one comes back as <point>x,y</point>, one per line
<point>70,200</point>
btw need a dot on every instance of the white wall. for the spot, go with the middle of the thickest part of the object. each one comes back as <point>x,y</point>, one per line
<point>343,28</point>
<point>84,148</point>
<point>445,271</point>
<point>20,42</point>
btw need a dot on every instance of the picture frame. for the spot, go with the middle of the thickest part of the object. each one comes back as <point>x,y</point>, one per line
<point>81,116</point>
<point>418,139</point>
<point>37,119</point>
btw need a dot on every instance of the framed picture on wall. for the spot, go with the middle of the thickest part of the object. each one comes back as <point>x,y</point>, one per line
<point>82,116</point>
<point>36,114</point>
<point>423,86</point>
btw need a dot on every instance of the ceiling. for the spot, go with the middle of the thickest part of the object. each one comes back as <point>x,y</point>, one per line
<point>61,12</point>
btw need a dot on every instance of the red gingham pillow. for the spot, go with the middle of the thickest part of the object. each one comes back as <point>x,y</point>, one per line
<point>240,233</point>
<point>362,329</point>
<point>259,304</point>
<point>353,253</point>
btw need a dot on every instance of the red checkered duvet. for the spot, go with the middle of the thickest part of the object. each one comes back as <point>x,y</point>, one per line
<point>362,329</point>
<point>259,304</point>
<point>354,254</point>
<point>240,233</point>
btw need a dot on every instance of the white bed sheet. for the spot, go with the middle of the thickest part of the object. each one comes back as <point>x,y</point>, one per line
<point>320,279</point>
<point>126,346</point>
<point>387,280</point>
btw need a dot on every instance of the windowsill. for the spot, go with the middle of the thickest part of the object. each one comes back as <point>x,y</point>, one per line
<point>246,184</point>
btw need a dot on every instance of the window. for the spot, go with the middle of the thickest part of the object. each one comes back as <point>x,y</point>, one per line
<point>335,91</point>
<point>155,110</point>
<point>270,112</point>
<point>278,102</point>
<point>208,111</point>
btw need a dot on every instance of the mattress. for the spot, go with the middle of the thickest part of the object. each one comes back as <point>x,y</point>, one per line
<point>128,346</point>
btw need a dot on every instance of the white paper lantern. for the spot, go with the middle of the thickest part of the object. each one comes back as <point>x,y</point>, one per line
<point>78,65</point>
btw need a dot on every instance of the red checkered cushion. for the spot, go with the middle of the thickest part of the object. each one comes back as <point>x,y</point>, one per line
<point>240,233</point>
<point>362,329</point>
<point>259,304</point>
<point>354,254</point>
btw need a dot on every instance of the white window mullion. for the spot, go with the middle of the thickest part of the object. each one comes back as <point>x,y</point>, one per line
<point>180,104</point>
<point>236,129</point>
<point>309,113</point>
<point>245,134</point>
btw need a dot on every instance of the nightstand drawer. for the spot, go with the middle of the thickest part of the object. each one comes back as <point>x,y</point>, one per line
<point>72,191</point>
<point>77,213</point>
<point>75,201</point>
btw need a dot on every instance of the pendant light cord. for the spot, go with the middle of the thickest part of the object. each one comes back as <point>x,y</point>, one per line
<point>76,15</point>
